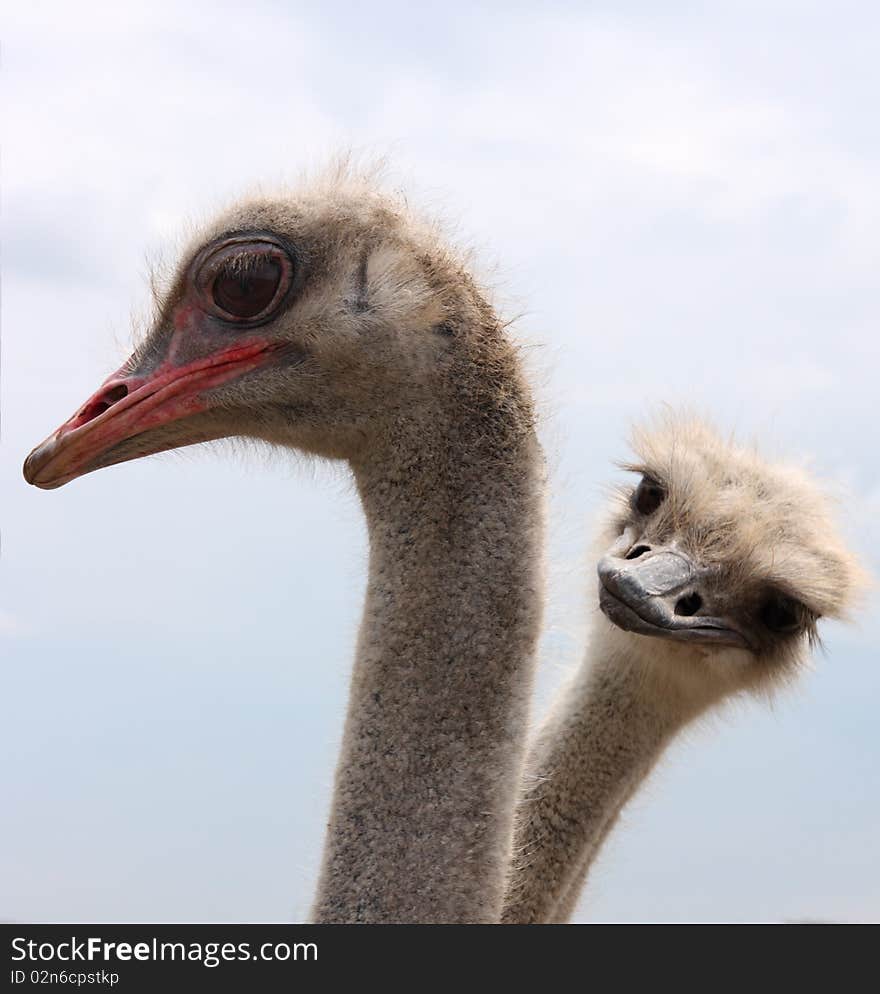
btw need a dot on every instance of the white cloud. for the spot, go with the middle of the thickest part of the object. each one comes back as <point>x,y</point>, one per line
<point>9,624</point>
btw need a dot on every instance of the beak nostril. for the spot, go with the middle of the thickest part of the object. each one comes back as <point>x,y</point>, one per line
<point>102,403</point>
<point>689,605</point>
<point>115,394</point>
<point>639,550</point>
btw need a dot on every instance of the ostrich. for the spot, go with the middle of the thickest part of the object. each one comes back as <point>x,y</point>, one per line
<point>331,320</point>
<point>716,570</point>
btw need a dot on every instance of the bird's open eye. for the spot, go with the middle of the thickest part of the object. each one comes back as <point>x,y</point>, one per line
<point>247,290</point>
<point>245,281</point>
<point>780,614</point>
<point>648,496</point>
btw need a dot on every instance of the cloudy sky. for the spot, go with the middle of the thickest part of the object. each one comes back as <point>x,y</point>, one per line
<point>683,206</point>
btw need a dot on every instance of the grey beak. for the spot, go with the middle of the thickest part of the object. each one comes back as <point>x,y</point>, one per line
<point>661,592</point>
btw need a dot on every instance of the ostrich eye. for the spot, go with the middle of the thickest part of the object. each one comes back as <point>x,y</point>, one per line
<point>649,495</point>
<point>246,292</point>
<point>780,614</point>
<point>245,280</point>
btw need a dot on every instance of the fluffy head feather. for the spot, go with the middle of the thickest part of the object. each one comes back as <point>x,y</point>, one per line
<point>762,533</point>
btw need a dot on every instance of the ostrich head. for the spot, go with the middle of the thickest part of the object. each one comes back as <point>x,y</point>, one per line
<point>316,320</point>
<point>724,561</point>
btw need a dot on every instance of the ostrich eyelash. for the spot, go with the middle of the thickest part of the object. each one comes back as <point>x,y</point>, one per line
<point>238,265</point>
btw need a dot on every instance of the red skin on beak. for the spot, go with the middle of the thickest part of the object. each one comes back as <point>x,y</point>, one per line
<point>198,347</point>
<point>127,405</point>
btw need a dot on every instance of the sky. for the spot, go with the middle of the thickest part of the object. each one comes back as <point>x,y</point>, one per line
<point>681,205</point>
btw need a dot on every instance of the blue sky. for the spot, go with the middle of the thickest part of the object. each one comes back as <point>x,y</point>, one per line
<point>683,207</point>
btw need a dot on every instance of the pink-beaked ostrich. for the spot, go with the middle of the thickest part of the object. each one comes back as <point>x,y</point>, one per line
<point>713,573</point>
<point>331,321</point>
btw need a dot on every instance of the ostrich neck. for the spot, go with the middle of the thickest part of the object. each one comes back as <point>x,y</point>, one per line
<point>421,822</point>
<point>602,738</point>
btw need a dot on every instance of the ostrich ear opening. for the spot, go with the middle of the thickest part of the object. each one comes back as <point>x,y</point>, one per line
<point>830,583</point>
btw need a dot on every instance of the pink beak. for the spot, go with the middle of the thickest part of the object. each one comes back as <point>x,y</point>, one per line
<point>127,405</point>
